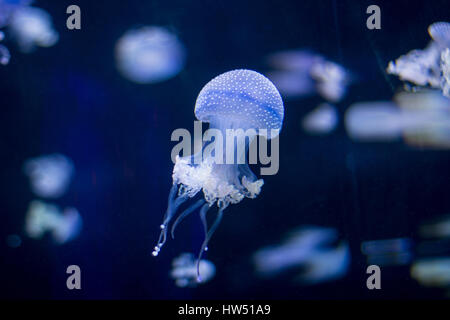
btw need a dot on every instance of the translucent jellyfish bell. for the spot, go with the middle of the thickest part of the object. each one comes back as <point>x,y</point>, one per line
<point>32,27</point>
<point>184,270</point>
<point>440,33</point>
<point>239,100</point>
<point>149,55</point>
<point>50,175</point>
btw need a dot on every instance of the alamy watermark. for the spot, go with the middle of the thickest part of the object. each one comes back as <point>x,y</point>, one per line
<point>239,146</point>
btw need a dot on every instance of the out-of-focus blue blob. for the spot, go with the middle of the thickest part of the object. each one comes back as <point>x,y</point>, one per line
<point>437,228</point>
<point>309,249</point>
<point>293,84</point>
<point>13,241</point>
<point>421,118</point>
<point>184,271</point>
<point>432,272</point>
<point>50,175</point>
<point>42,218</point>
<point>238,99</point>
<point>388,252</point>
<point>426,118</point>
<point>373,121</point>
<point>331,80</point>
<point>32,27</point>
<point>300,73</point>
<point>7,8</point>
<point>149,55</point>
<point>321,120</point>
<point>428,67</point>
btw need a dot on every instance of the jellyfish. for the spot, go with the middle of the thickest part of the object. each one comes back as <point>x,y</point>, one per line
<point>310,249</point>
<point>32,27</point>
<point>427,67</point>
<point>301,73</point>
<point>184,270</point>
<point>432,271</point>
<point>149,55</point>
<point>321,120</point>
<point>7,9</point>
<point>50,175</point>
<point>235,100</point>
<point>388,252</point>
<point>43,217</point>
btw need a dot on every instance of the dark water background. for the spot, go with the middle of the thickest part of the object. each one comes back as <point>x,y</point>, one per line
<point>70,99</point>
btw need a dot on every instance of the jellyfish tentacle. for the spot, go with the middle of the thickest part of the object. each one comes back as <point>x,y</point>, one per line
<point>172,207</point>
<point>184,214</point>
<point>208,235</point>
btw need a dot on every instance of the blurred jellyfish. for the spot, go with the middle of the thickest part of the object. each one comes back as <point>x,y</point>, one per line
<point>42,217</point>
<point>7,9</point>
<point>422,119</point>
<point>32,27</point>
<point>50,175</point>
<point>380,120</point>
<point>300,73</point>
<point>184,270</point>
<point>331,79</point>
<point>388,252</point>
<point>240,100</point>
<point>432,272</point>
<point>426,67</point>
<point>149,55</point>
<point>310,249</point>
<point>321,120</point>
<point>437,228</point>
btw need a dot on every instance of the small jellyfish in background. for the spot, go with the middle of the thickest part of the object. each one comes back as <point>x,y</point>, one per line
<point>42,218</point>
<point>310,249</point>
<point>427,67</point>
<point>149,55</point>
<point>7,8</point>
<point>321,120</point>
<point>373,121</point>
<point>439,227</point>
<point>236,100</point>
<point>299,73</point>
<point>32,27</point>
<point>388,252</point>
<point>432,272</point>
<point>331,79</point>
<point>422,119</point>
<point>184,270</point>
<point>50,175</point>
